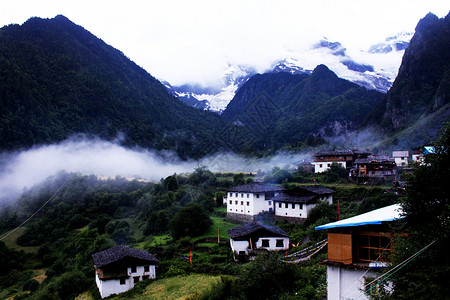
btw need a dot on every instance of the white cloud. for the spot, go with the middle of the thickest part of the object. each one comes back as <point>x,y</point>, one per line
<point>193,41</point>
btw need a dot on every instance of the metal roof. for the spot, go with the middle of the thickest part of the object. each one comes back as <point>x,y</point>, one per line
<point>374,217</point>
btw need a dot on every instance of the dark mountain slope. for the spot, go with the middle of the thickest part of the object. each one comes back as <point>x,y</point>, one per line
<point>418,101</point>
<point>57,79</point>
<point>286,108</point>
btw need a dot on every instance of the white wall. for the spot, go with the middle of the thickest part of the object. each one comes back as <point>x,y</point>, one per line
<point>112,286</point>
<point>299,210</point>
<point>346,284</point>
<point>248,203</point>
<point>237,246</point>
<point>272,243</point>
<point>322,166</point>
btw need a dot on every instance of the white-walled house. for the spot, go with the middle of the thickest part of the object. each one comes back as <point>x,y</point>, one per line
<point>357,250</point>
<point>295,204</point>
<point>118,269</point>
<point>245,202</point>
<point>248,240</point>
<point>401,158</point>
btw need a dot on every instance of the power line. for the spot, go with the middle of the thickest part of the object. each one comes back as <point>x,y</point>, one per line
<point>29,218</point>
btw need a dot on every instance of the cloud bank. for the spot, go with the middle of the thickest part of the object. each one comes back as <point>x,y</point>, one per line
<point>21,170</point>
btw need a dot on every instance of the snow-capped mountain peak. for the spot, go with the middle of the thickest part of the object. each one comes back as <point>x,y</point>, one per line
<point>373,69</point>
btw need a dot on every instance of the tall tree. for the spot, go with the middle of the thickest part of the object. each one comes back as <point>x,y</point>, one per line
<point>427,219</point>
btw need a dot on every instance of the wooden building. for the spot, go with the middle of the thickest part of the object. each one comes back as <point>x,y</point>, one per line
<point>357,248</point>
<point>344,158</point>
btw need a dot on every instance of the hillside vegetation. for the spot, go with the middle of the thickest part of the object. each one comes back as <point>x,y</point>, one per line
<point>77,215</point>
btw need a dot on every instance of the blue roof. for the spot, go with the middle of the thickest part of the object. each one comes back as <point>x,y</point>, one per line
<point>374,217</point>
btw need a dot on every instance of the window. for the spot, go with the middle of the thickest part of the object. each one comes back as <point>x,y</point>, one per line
<point>231,202</point>
<point>236,202</point>
<point>328,165</point>
<point>248,203</point>
<point>257,195</point>
<point>122,281</point>
<point>133,269</point>
<point>301,206</point>
<point>265,243</point>
<point>230,194</point>
<point>370,247</point>
<point>293,205</point>
<point>320,165</point>
<point>270,202</point>
<point>146,268</point>
<point>280,243</point>
<point>136,279</point>
<point>242,202</point>
<point>236,194</point>
<point>286,205</point>
<point>242,195</point>
<point>279,205</point>
<point>248,195</point>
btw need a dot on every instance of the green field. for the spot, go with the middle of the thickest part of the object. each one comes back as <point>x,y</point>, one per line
<point>11,239</point>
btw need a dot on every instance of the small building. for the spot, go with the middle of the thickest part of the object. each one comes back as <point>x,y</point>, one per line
<point>357,248</point>
<point>401,158</point>
<point>344,158</point>
<point>252,239</point>
<point>118,269</point>
<point>294,205</point>
<point>245,202</point>
<point>374,168</point>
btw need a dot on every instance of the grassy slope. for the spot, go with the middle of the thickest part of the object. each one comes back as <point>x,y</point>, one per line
<point>179,287</point>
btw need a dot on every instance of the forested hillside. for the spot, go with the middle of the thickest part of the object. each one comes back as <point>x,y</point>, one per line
<point>417,106</point>
<point>57,79</point>
<point>74,216</point>
<point>285,108</point>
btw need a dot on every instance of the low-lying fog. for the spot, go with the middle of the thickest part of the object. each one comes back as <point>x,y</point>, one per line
<point>20,170</point>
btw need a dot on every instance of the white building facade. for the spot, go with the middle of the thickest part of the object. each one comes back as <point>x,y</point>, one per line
<point>245,202</point>
<point>401,158</point>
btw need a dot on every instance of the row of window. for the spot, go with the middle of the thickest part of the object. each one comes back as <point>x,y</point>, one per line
<point>265,243</point>
<point>136,279</point>
<point>134,269</point>
<point>286,205</point>
<point>242,195</point>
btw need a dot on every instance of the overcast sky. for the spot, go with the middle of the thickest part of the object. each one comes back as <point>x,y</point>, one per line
<point>193,41</point>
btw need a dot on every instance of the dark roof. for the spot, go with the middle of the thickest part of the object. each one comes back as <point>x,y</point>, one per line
<point>253,228</point>
<point>341,152</point>
<point>375,160</point>
<point>117,253</point>
<point>283,197</point>
<point>317,189</point>
<point>255,187</point>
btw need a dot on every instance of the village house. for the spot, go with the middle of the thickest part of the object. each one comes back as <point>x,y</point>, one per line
<point>358,248</point>
<point>252,239</point>
<point>401,158</point>
<point>373,168</point>
<point>246,202</point>
<point>118,269</point>
<point>295,204</point>
<point>345,158</point>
